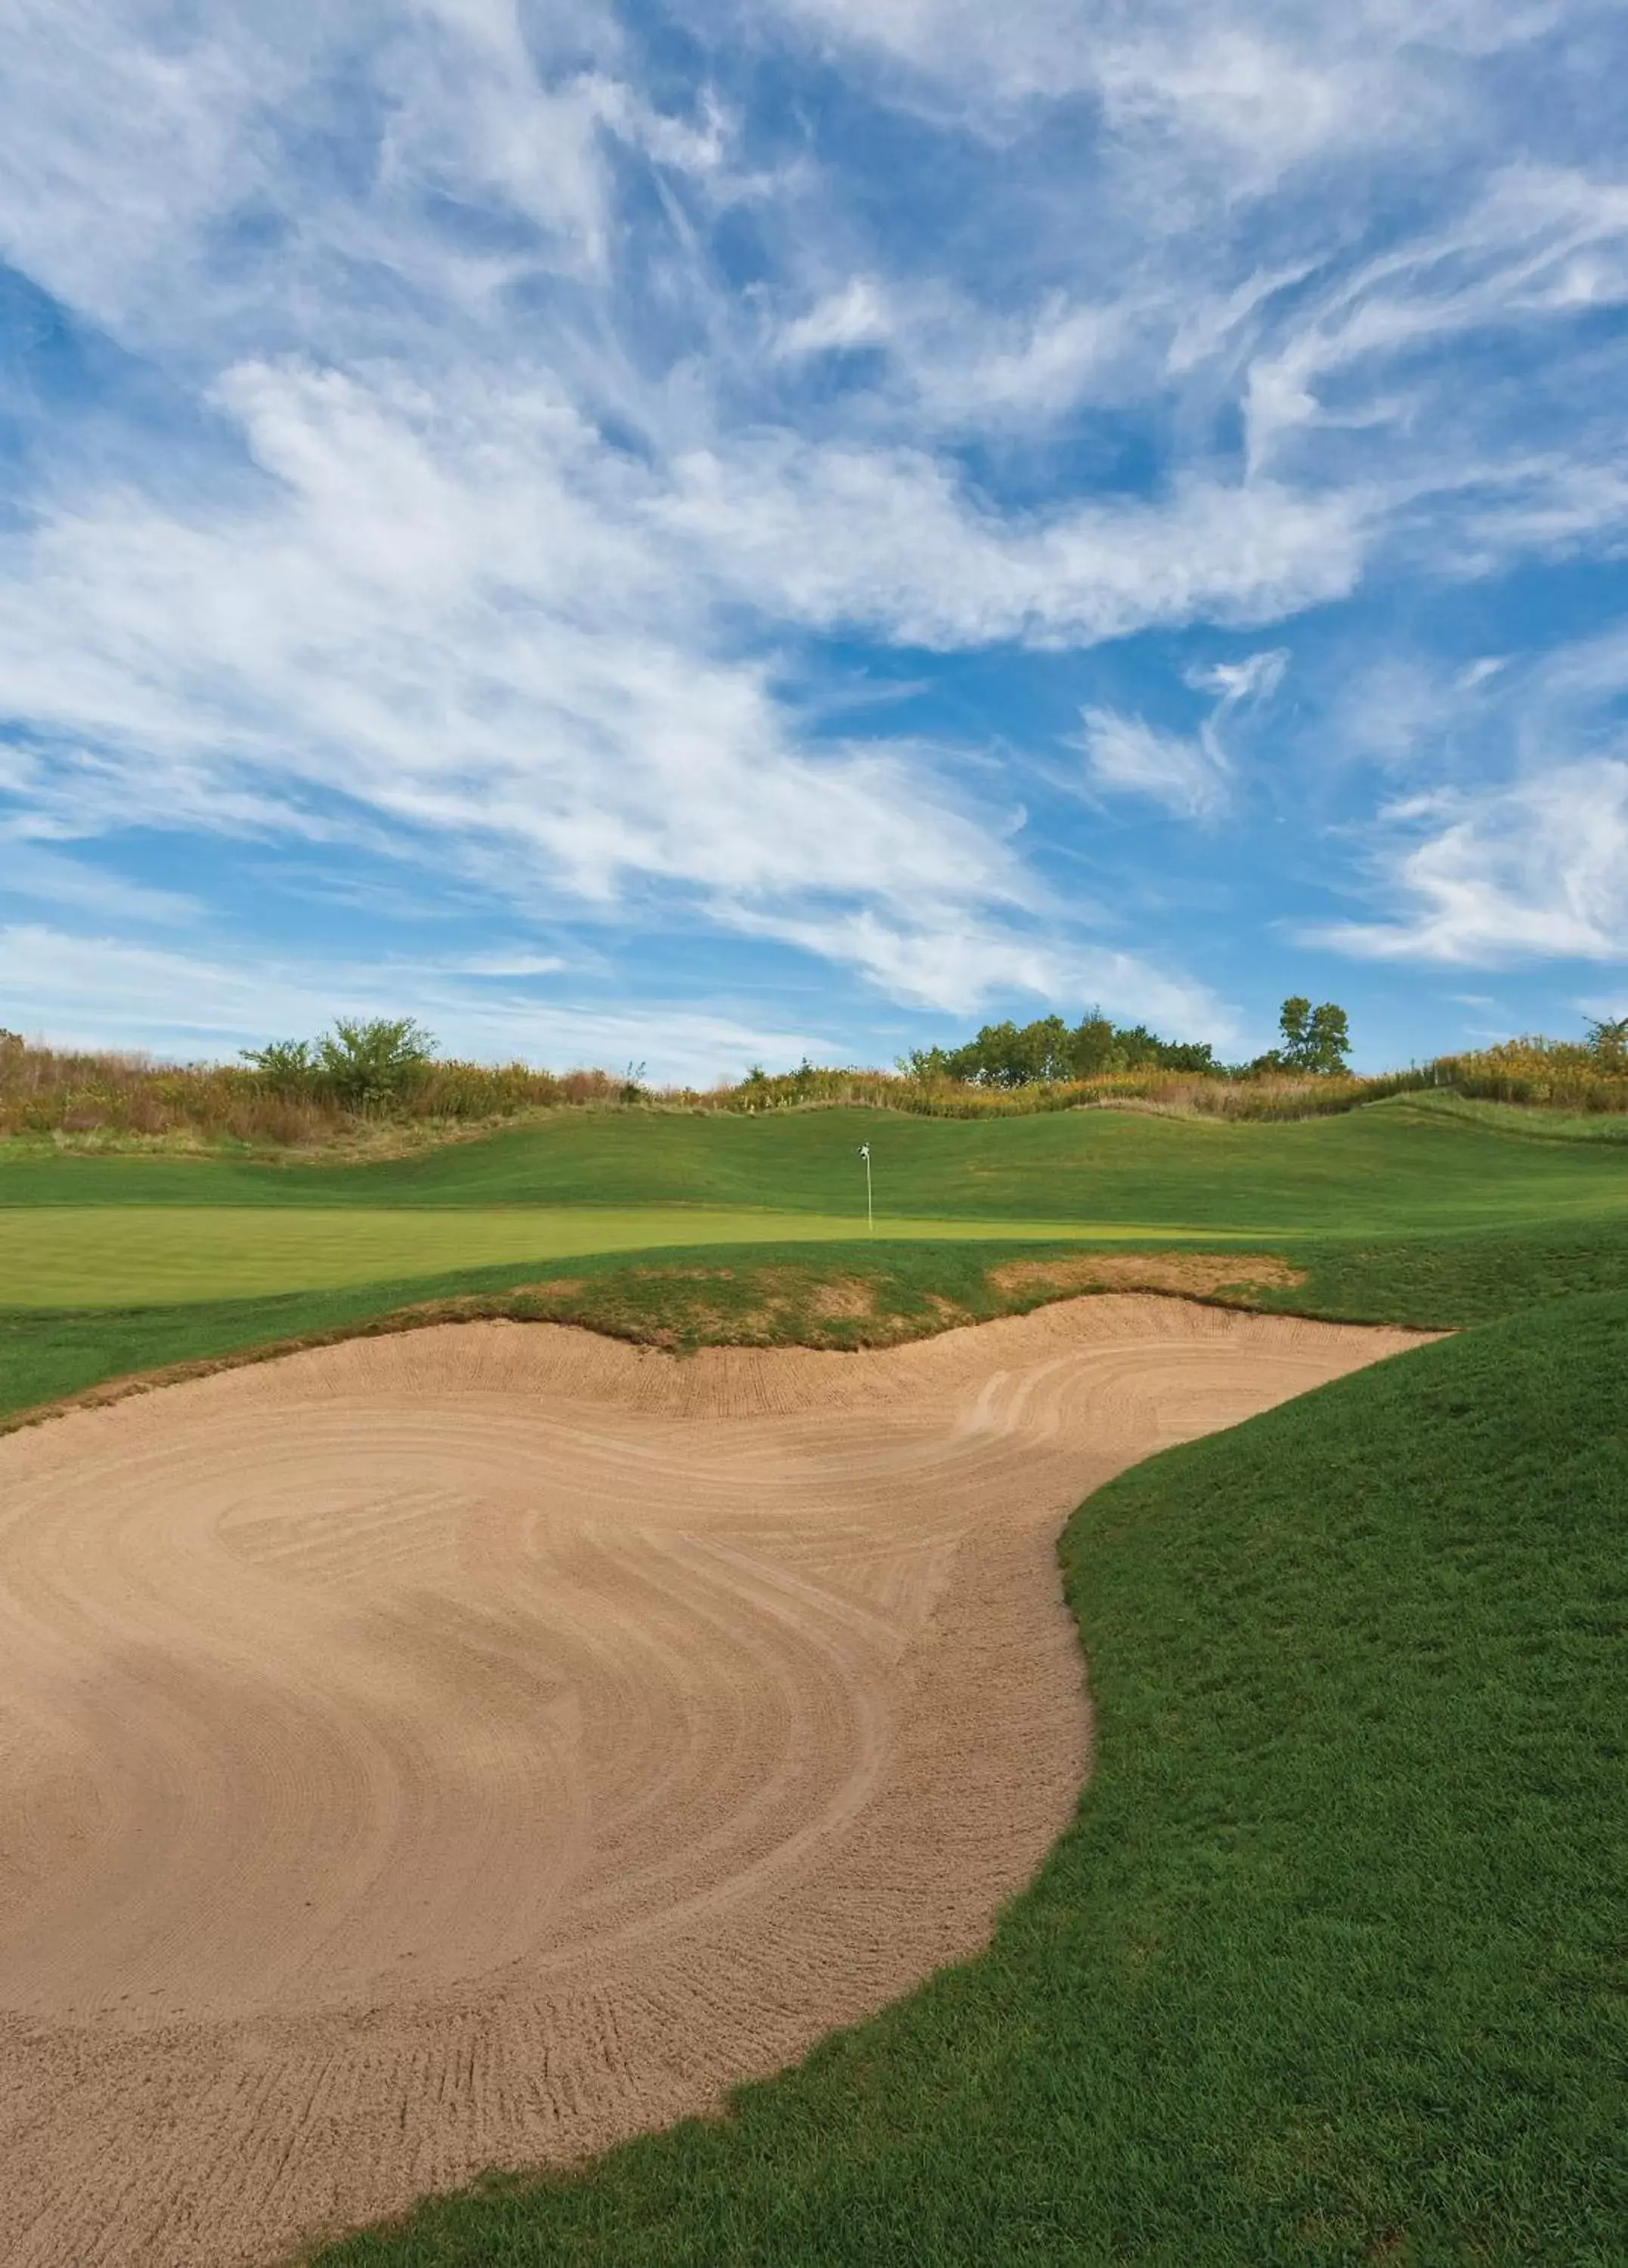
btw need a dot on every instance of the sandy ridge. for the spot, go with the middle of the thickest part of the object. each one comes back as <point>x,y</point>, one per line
<point>473,1746</point>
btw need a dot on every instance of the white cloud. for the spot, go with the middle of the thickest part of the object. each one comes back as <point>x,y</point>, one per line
<point>104,991</point>
<point>1129,757</point>
<point>953,365</point>
<point>1256,677</point>
<point>1189,775</point>
<point>1533,870</point>
<point>464,618</point>
<point>434,612</point>
<point>29,871</point>
<point>947,961</point>
<point>1404,708</point>
<point>1536,243</point>
<point>1261,87</point>
<point>891,541</point>
<point>513,960</point>
<point>135,137</point>
<point>856,316</point>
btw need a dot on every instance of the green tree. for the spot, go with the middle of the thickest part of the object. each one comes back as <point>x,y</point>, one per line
<point>370,1064</point>
<point>924,1063</point>
<point>1091,1049</point>
<point>286,1066</point>
<point>1607,1038</point>
<point>1314,1039</point>
<point>1013,1055</point>
<point>1023,1055</point>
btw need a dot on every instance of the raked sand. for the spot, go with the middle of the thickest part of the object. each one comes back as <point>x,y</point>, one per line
<point>472,1747</point>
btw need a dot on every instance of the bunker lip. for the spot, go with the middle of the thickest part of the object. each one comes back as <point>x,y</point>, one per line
<point>471,1746</point>
<point>1231,1279</point>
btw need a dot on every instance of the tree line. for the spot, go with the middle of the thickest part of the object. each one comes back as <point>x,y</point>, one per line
<point>1007,1055</point>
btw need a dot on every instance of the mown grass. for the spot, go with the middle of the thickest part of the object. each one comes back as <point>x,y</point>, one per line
<point>1378,1200</point>
<point>1329,1969</point>
<point>1416,1165</point>
<point>1547,1124</point>
<point>779,1294</point>
<point>61,1256</point>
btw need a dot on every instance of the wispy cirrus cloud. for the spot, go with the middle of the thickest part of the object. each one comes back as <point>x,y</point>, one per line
<point>546,411</point>
<point>1189,774</point>
<point>1126,755</point>
<point>378,622</point>
<point>1532,869</point>
<point>44,877</point>
<point>1255,89</point>
<point>99,989</point>
<point>1512,847</point>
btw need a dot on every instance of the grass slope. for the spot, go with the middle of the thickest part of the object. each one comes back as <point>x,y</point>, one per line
<point>121,1231</point>
<point>1329,1969</point>
<point>1404,1167</point>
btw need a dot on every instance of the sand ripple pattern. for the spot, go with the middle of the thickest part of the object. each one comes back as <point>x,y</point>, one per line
<point>468,1749</point>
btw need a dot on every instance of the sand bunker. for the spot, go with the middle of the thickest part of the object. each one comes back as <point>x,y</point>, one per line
<point>470,1747</point>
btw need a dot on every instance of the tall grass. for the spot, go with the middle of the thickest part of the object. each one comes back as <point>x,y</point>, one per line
<point>1262,1095</point>
<point>51,1091</point>
<point>92,1098</point>
<point>1554,1074</point>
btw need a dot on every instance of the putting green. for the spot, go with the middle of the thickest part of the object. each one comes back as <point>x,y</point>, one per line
<point>122,1256</point>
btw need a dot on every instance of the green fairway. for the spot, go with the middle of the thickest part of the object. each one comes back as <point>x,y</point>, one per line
<point>117,1231</point>
<point>1329,1969</point>
<point>122,1256</point>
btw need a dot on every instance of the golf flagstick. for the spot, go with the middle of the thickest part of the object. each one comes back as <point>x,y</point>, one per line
<point>870,1217</point>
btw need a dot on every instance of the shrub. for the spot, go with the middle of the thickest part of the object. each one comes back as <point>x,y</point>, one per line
<point>370,1065</point>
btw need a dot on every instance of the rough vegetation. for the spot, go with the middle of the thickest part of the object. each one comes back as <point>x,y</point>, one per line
<point>285,1095</point>
<point>372,1088</point>
<point>1589,1075</point>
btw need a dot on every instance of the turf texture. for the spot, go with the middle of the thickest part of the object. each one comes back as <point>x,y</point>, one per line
<point>1401,1167</point>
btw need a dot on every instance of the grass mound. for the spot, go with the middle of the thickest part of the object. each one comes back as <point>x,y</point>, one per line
<point>1408,1167</point>
<point>1329,1967</point>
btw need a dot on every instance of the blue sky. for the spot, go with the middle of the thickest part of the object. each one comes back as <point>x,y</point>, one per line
<point>698,534</point>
